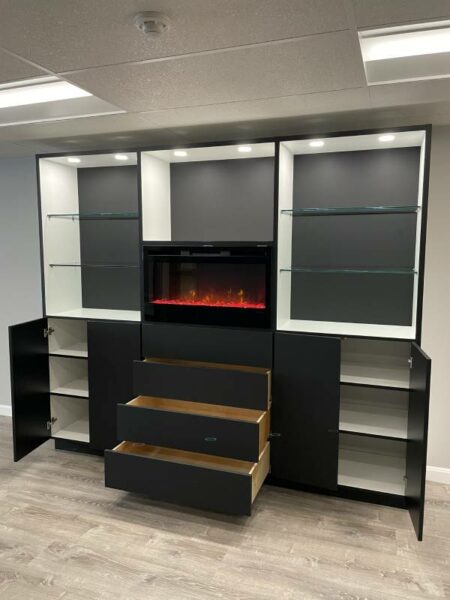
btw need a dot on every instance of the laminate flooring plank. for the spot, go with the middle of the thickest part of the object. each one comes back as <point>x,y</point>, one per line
<point>64,536</point>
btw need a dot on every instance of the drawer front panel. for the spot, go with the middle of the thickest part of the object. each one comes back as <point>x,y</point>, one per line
<point>196,433</point>
<point>208,489</point>
<point>228,387</point>
<point>214,344</point>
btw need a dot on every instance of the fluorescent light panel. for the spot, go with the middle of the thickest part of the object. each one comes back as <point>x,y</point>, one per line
<point>406,53</point>
<point>38,91</point>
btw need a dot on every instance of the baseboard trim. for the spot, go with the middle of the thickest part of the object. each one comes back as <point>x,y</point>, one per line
<point>438,474</point>
<point>5,410</point>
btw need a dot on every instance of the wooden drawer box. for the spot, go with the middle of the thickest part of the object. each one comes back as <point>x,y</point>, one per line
<point>208,383</point>
<point>212,429</point>
<point>206,482</point>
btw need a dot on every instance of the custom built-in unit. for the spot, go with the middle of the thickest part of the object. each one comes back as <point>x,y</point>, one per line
<point>70,367</point>
<point>218,314</point>
<point>351,384</point>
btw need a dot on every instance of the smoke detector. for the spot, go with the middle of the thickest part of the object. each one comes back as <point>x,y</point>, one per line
<point>151,23</point>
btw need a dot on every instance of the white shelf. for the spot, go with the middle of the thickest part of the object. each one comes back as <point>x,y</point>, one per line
<point>356,329</point>
<point>99,313</point>
<point>374,412</point>
<point>378,466</point>
<point>77,431</point>
<point>377,375</point>
<point>78,350</point>
<point>77,387</point>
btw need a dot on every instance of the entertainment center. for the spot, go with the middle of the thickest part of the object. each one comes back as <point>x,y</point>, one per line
<point>221,315</point>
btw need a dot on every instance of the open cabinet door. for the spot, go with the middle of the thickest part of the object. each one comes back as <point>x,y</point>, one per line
<point>416,456</point>
<point>30,386</point>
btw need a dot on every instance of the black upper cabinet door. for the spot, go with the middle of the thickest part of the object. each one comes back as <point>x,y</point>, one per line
<point>416,456</point>
<point>112,348</point>
<point>30,386</point>
<point>305,409</point>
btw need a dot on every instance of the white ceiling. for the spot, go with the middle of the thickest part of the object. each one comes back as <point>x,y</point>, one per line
<point>225,69</point>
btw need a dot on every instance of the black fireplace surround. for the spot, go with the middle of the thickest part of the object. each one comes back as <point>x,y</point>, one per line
<point>214,284</point>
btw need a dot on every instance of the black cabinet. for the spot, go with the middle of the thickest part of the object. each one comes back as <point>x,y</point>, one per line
<point>416,451</point>
<point>30,394</point>
<point>64,390</point>
<point>112,348</point>
<point>305,410</point>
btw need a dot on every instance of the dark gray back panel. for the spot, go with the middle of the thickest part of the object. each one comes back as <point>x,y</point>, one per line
<point>363,178</point>
<point>109,241</point>
<point>223,200</point>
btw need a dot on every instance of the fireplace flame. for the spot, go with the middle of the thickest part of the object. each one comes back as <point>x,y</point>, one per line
<point>212,299</point>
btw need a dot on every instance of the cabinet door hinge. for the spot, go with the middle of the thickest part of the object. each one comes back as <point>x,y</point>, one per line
<point>51,422</point>
<point>48,331</point>
<point>410,362</point>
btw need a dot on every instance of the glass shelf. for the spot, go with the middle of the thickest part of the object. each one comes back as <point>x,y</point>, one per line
<point>94,266</point>
<point>355,271</point>
<point>349,210</point>
<point>94,215</point>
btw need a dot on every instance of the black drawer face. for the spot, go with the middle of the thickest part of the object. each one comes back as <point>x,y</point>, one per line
<point>244,387</point>
<point>210,429</point>
<point>213,344</point>
<point>211,483</point>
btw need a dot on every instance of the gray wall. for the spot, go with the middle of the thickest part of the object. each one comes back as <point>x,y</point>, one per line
<point>363,178</point>
<point>109,241</point>
<point>436,307</point>
<point>20,274</point>
<point>222,200</point>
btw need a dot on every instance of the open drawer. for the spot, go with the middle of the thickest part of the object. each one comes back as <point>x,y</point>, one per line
<point>199,480</point>
<point>209,383</point>
<point>212,429</point>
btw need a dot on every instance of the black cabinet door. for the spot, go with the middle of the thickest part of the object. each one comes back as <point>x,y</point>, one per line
<point>112,348</point>
<point>305,409</point>
<point>416,453</point>
<point>30,387</point>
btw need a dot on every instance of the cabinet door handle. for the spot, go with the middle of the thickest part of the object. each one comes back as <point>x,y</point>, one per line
<point>333,430</point>
<point>273,434</point>
<point>210,439</point>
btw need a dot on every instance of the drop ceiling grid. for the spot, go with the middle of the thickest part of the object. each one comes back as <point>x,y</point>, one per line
<point>263,59</point>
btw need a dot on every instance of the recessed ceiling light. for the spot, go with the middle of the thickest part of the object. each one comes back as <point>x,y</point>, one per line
<point>120,156</point>
<point>73,159</point>
<point>244,148</point>
<point>38,91</point>
<point>407,52</point>
<point>316,143</point>
<point>386,137</point>
<point>180,153</point>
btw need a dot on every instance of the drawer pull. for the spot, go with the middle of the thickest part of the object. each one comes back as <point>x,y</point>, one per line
<point>210,439</point>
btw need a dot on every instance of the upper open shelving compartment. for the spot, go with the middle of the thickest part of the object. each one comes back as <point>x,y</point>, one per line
<point>90,221</point>
<point>357,271</point>
<point>209,194</point>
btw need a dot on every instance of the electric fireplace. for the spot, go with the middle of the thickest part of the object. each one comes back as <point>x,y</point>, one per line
<point>208,284</point>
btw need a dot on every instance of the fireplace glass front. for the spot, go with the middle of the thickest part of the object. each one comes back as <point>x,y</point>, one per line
<point>213,285</point>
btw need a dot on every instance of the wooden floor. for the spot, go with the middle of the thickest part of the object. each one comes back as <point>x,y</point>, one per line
<point>64,535</point>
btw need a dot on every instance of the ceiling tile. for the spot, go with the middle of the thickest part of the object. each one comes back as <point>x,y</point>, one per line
<point>410,93</point>
<point>66,35</point>
<point>312,64</point>
<point>343,100</point>
<point>372,13</point>
<point>73,128</point>
<point>12,68</point>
